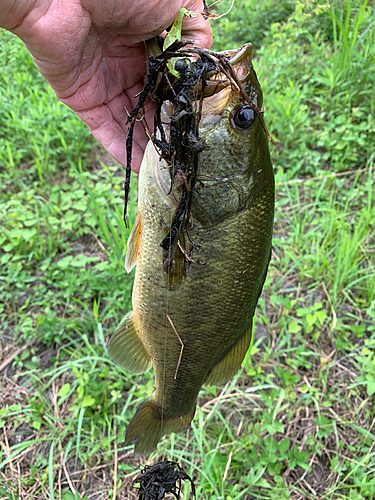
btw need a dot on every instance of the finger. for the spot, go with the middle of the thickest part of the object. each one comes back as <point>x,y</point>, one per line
<point>107,124</point>
<point>197,29</point>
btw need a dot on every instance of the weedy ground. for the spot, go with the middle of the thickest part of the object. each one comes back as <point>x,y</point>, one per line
<point>298,420</point>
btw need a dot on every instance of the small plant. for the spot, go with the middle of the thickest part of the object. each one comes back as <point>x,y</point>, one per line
<point>366,361</point>
<point>310,319</point>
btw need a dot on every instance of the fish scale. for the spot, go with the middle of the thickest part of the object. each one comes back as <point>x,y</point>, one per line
<point>211,309</point>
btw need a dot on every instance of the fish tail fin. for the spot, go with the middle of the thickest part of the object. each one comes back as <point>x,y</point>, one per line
<point>148,426</point>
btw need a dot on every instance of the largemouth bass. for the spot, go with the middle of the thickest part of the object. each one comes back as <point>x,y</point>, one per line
<point>195,327</point>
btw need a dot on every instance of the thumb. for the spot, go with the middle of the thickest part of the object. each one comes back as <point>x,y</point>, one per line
<point>197,29</point>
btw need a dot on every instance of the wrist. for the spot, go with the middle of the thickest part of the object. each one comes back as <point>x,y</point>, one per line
<point>14,12</point>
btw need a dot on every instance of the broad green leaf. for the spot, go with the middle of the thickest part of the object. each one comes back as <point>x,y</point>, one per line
<point>81,260</point>
<point>37,424</point>
<point>63,391</point>
<point>65,262</point>
<point>278,426</point>
<point>88,401</point>
<point>53,220</point>
<point>311,319</point>
<point>102,265</point>
<point>370,386</point>
<point>365,351</point>
<point>175,31</point>
<point>5,258</point>
<point>30,222</point>
<point>79,205</point>
<point>284,445</point>
<point>321,316</point>
<point>173,35</point>
<point>294,327</point>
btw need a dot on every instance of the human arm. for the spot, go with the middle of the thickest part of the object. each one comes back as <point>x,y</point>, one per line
<point>92,54</point>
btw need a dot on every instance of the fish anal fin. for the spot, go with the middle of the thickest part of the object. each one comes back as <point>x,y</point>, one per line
<point>148,426</point>
<point>126,349</point>
<point>133,245</point>
<point>230,364</point>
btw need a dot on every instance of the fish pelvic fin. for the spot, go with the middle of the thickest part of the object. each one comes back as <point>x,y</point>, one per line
<point>126,349</point>
<point>133,244</point>
<point>148,426</point>
<point>230,364</point>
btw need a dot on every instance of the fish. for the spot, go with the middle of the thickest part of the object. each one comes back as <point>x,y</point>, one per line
<point>193,325</point>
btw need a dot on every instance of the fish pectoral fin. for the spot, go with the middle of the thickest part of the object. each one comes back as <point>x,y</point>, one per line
<point>126,349</point>
<point>175,270</point>
<point>174,277</point>
<point>230,364</point>
<point>149,425</point>
<point>131,257</point>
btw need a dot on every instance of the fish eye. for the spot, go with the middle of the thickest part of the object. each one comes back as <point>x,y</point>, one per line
<point>243,117</point>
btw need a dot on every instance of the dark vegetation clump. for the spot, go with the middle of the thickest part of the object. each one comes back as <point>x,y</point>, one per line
<point>195,77</point>
<point>156,481</point>
<point>182,146</point>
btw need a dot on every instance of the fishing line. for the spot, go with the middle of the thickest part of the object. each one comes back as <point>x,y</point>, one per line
<point>171,145</point>
<point>165,326</point>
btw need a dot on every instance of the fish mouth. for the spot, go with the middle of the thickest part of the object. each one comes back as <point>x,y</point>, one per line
<point>237,59</point>
<point>233,84</point>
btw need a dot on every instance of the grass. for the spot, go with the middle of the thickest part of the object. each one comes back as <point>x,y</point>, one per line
<point>298,420</point>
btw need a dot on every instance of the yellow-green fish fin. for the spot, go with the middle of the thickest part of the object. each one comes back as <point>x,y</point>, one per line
<point>229,366</point>
<point>127,350</point>
<point>174,270</point>
<point>174,278</point>
<point>133,245</point>
<point>147,427</point>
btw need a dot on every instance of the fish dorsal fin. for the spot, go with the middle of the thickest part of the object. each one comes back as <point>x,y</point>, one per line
<point>230,364</point>
<point>133,245</point>
<point>126,348</point>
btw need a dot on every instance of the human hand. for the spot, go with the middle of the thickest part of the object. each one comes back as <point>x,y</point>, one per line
<point>92,54</point>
